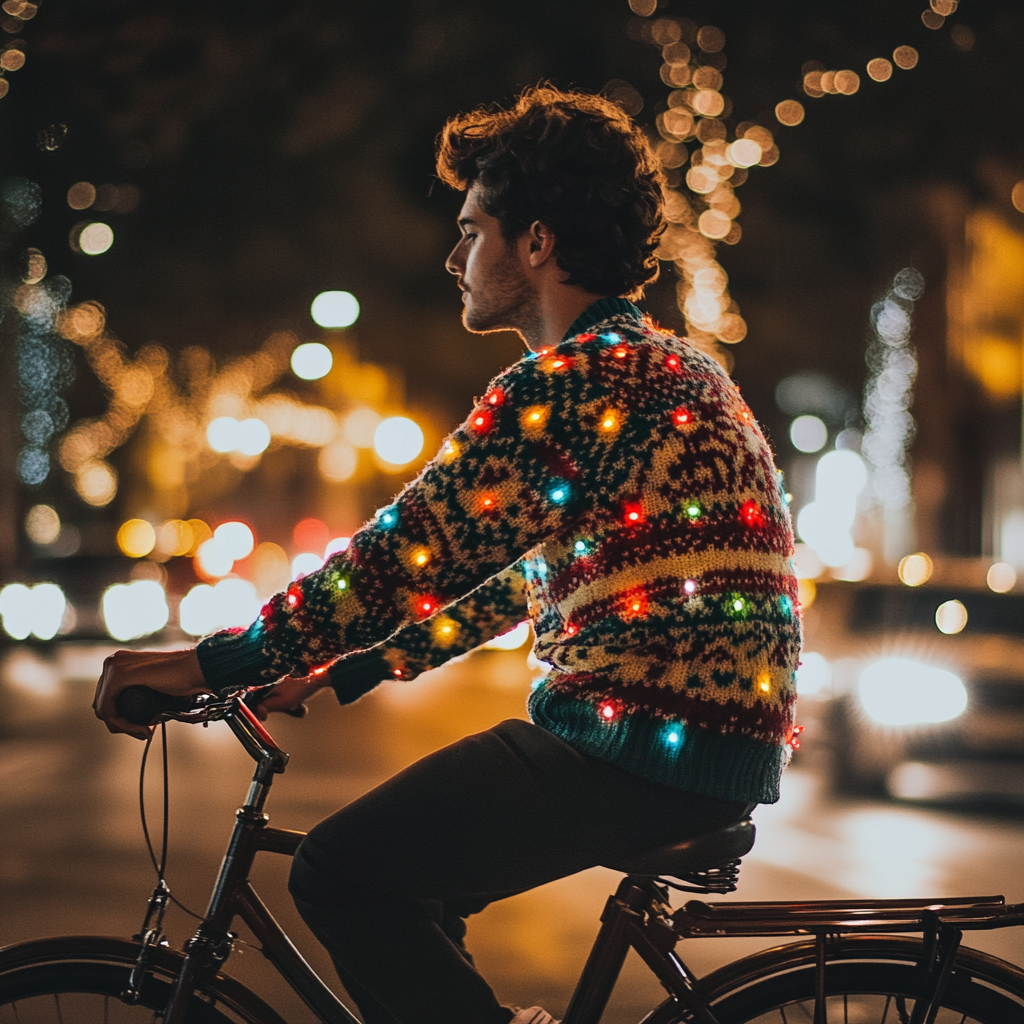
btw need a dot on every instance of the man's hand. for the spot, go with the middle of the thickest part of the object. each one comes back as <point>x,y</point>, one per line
<point>288,693</point>
<point>174,672</point>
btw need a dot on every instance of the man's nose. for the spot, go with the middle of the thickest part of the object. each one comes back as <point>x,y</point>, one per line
<point>454,264</point>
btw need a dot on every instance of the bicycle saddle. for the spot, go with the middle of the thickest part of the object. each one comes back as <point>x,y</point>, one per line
<point>712,850</point>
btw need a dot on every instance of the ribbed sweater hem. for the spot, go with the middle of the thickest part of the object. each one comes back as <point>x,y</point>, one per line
<point>699,761</point>
<point>230,661</point>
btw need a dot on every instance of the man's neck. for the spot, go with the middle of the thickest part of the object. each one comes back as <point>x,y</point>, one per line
<point>553,314</point>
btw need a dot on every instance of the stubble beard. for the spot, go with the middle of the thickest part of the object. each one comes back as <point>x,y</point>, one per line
<point>505,302</point>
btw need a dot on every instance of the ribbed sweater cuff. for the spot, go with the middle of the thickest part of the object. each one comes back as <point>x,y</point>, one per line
<point>357,674</point>
<point>230,661</point>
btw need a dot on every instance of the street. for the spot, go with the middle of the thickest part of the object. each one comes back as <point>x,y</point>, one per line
<point>72,858</point>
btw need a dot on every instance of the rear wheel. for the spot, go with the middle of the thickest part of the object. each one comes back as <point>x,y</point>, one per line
<point>878,982</point>
<point>80,981</point>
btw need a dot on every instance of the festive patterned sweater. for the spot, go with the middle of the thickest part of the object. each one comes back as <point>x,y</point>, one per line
<point>617,491</point>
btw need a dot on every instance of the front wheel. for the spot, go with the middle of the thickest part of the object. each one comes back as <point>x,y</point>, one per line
<point>872,982</point>
<point>79,980</point>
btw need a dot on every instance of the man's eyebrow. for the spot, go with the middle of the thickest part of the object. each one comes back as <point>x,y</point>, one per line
<point>463,221</point>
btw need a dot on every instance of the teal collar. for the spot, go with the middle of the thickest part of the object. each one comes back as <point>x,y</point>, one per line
<point>600,310</point>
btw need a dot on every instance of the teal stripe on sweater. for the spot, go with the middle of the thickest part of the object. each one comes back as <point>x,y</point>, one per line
<point>729,767</point>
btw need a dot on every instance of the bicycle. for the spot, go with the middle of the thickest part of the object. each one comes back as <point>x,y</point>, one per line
<point>850,968</point>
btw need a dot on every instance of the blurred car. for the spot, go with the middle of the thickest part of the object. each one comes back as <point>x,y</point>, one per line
<point>919,690</point>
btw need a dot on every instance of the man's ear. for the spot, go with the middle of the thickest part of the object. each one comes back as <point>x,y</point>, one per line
<point>541,243</point>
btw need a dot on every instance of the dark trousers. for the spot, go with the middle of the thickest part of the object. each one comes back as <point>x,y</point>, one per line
<point>386,882</point>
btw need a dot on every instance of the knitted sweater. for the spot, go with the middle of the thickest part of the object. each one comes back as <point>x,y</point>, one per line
<point>617,490</point>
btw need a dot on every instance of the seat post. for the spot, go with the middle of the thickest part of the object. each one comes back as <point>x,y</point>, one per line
<point>608,954</point>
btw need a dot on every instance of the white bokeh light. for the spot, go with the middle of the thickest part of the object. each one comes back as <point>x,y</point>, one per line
<point>96,238</point>
<point>813,675</point>
<point>32,611</point>
<point>304,564</point>
<point>236,539</point>
<point>808,434</point>
<point>222,434</point>
<point>398,440</point>
<point>131,610</point>
<point>335,309</point>
<point>231,603</point>
<point>253,437</point>
<point>214,559</point>
<point>312,360</point>
<point>900,691</point>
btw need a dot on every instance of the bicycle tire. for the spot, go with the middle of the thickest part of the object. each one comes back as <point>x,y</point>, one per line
<point>872,981</point>
<point>79,980</point>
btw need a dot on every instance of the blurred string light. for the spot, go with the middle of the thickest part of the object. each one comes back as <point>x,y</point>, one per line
<point>45,361</point>
<point>888,398</point>
<point>32,611</point>
<point>136,538</point>
<point>136,609</point>
<point>93,238</point>
<point>707,212</point>
<point>335,309</point>
<point>229,543</point>
<point>813,675</point>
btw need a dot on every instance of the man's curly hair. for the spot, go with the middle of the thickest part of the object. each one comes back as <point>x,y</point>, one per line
<point>576,163</point>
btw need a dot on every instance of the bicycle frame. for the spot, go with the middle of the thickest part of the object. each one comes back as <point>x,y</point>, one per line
<point>233,895</point>
<point>638,916</point>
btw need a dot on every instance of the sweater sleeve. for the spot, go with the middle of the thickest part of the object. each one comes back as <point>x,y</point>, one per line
<point>492,609</point>
<point>529,461</point>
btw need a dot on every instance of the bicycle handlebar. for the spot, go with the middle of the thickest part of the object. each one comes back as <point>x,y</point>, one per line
<point>141,705</point>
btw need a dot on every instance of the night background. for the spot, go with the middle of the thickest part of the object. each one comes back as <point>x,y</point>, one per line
<point>248,158</point>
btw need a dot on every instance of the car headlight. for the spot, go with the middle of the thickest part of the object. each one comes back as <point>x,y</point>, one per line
<point>900,691</point>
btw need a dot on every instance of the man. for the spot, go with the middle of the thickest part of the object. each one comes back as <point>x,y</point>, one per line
<point>613,486</point>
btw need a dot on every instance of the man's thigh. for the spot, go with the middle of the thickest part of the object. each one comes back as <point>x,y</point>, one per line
<point>497,813</point>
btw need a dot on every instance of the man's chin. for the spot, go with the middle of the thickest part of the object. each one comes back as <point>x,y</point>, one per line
<point>476,323</point>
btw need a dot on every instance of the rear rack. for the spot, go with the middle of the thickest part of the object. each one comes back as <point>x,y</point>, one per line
<point>699,919</point>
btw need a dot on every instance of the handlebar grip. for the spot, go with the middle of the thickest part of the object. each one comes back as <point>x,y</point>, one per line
<point>140,705</point>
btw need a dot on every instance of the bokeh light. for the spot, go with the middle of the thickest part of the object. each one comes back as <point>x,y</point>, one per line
<point>1001,577</point>
<point>222,434</point>
<point>253,436</point>
<point>905,57</point>
<point>813,675</point>
<point>42,524</point>
<point>915,569</point>
<point>235,539</point>
<point>95,238</point>
<point>96,483</point>
<point>808,433</point>
<point>879,69</point>
<point>305,563</point>
<point>951,617</point>
<point>136,538</point>
<point>335,545</point>
<point>311,534</point>
<point>132,610</point>
<point>81,195</point>
<point>1017,196</point>
<point>337,462</point>
<point>789,112</point>
<point>32,611</point>
<point>398,440</point>
<point>269,569</point>
<point>229,604</point>
<point>312,360</point>
<point>174,538</point>
<point>335,309</point>
<point>212,560</point>
<point>744,152</point>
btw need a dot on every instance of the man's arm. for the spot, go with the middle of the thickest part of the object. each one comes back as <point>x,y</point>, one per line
<point>529,461</point>
<point>492,609</point>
